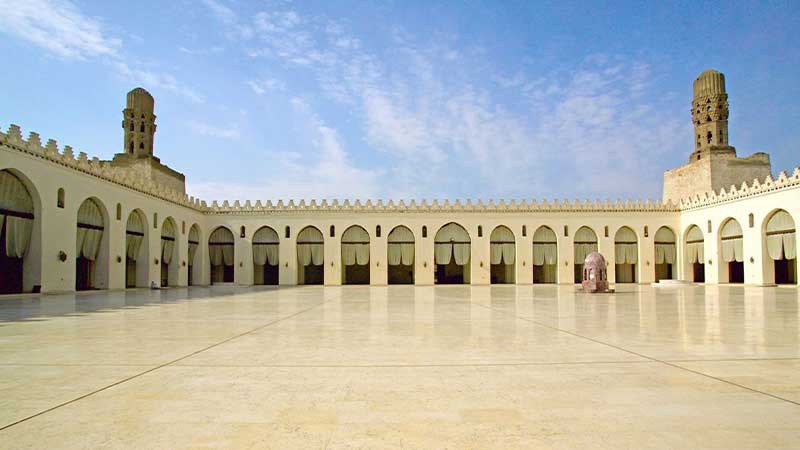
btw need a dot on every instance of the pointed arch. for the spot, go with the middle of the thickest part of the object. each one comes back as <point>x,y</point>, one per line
<point>221,255</point>
<point>626,255</point>
<point>169,253</point>
<point>355,255</point>
<point>193,256</point>
<point>400,255</point>
<point>91,246</point>
<point>502,255</point>
<point>452,254</point>
<point>780,240</point>
<point>265,256</point>
<point>731,245</point>
<point>545,255</point>
<point>136,250</point>
<point>665,254</point>
<point>310,256</point>
<point>20,225</point>
<point>584,243</point>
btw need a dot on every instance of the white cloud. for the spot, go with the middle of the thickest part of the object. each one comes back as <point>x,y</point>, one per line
<point>150,79</point>
<point>221,11</point>
<point>230,132</point>
<point>57,26</point>
<point>261,87</point>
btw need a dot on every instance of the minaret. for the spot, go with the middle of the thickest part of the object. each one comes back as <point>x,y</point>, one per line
<point>710,116</point>
<point>713,165</point>
<point>139,123</point>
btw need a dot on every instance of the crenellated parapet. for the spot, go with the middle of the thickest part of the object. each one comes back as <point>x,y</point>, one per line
<point>434,206</point>
<point>756,187</point>
<point>13,140</point>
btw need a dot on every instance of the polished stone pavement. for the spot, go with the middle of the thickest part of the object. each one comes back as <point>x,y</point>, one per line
<point>447,367</point>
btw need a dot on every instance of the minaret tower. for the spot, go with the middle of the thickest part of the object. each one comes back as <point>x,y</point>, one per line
<point>713,165</point>
<point>139,123</point>
<point>710,116</point>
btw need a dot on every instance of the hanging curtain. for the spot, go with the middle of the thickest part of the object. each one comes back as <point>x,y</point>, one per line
<point>545,247</point>
<point>452,240</point>
<point>167,241</point>
<point>501,246</point>
<point>194,241</point>
<point>90,230</point>
<point>220,247</point>
<point>400,247</point>
<point>732,242</point>
<point>694,245</point>
<point>310,248</point>
<point>665,246</point>
<point>585,243</point>
<point>625,247</point>
<point>355,246</point>
<point>16,206</point>
<point>265,247</point>
<point>781,241</point>
<point>134,235</point>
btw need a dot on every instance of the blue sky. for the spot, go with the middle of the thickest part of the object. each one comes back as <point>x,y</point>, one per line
<point>334,99</point>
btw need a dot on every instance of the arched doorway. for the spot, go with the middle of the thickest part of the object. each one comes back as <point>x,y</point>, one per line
<point>265,256</point>
<point>221,255</point>
<point>194,244</point>
<point>400,251</point>
<point>169,250</point>
<point>695,254</point>
<point>545,256</point>
<point>502,255</point>
<point>355,256</point>
<point>731,243</point>
<point>310,256</point>
<point>665,254</point>
<point>452,247</point>
<point>585,242</point>
<point>16,228</point>
<point>626,255</point>
<point>89,273</point>
<point>136,273</point>
<point>780,238</point>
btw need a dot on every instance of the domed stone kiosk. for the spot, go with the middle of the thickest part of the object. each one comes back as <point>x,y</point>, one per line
<point>595,276</point>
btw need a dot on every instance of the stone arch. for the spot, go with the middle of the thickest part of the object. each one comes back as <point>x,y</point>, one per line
<point>137,250</point>
<point>502,255</point>
<point>221,255</point>
<point>193,257</point>
<point>626,255</point>
<point>170,261</point>
<point>694,254</point>
<point>20,234</point>
<point>545,255</point>
<point>584,243</point>
<point>731,251</point>
<point>310,256</point>
<point>666,254</point>
<point>780,241</point>
<point>400,255</point>
<point>452,254</point>
<point>355,255</point>
<point>265,256</point>
<point>91,245</point>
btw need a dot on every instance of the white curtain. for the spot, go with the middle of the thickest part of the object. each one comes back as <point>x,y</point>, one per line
<point>585,243</point>
<point>222,252</point>
<point>545,248</point>
<point>265,247</point>
<point>355,246</point>
<point>732,242</point>
<point>665,253</point>
<point>461,253</point>
<point>308,254</point>
<point>88,240</point>
<point>18,235</point>
<point>442,253</point>
<point>451,232</point>
<point>625,247</point>
<point>134,241</point>
<point>781,236</point>
<point>694,245</point>
<point>15,197</point>
<point>501,247</point>
<point>400,247</point>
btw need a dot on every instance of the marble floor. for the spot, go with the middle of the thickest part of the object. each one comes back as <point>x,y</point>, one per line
<point>402,367</point>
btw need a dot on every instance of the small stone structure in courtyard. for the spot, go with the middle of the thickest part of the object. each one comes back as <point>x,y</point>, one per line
<point>595,277</point>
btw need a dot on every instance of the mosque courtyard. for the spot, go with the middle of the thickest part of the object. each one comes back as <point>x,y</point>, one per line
<point>444,367</point>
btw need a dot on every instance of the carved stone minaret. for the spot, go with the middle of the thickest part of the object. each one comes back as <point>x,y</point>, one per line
<point>713,165</point>
<point>139,123</point>
<point>710,115</point>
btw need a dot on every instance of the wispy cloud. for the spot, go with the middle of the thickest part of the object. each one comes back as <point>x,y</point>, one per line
<point>59,27</point>
<point>230,132</point>
<point>265,85</point>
